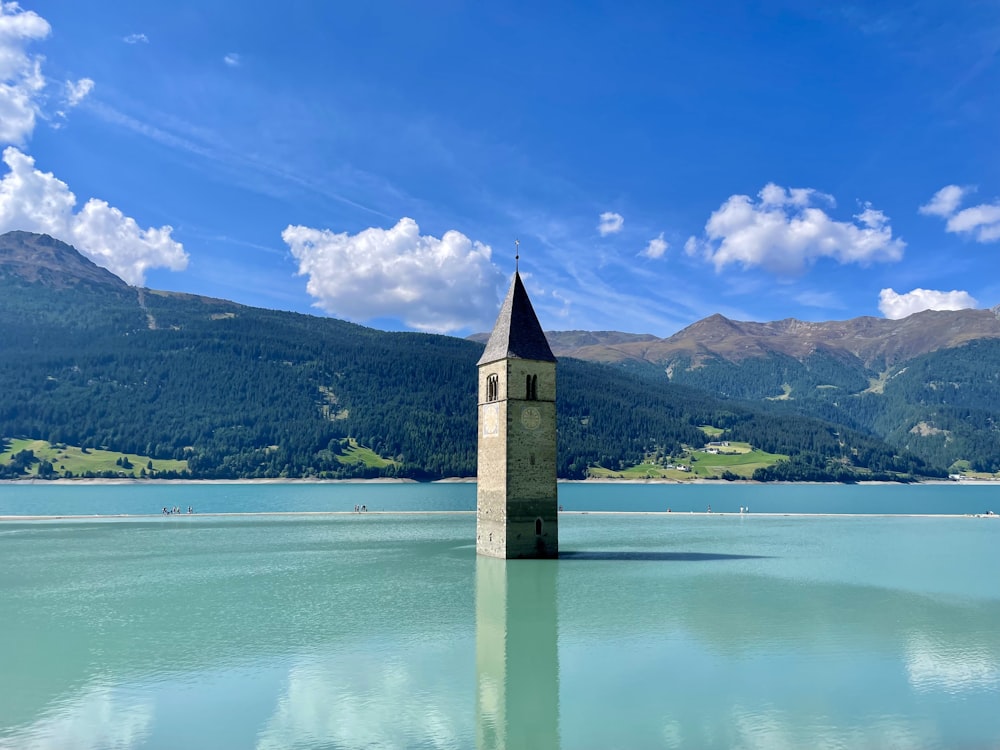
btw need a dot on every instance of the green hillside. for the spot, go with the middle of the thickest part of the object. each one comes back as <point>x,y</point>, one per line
<point>42,459</point>
<point>228,391</point>
<point>943,406</point>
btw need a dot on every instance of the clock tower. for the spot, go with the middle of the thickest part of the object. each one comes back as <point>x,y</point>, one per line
<point>516,502</point>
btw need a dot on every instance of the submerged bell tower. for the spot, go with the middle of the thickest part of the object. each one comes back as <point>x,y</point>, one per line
<point>516,503</point>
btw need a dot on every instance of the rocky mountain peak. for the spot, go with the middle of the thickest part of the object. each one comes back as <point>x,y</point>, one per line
<point>41,259</point>
<point>874,342</point>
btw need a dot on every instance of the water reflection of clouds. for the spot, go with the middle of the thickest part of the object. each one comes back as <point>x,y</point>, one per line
<point>99,717</point>
<point>374,699</point>
<point>954,667</point>
<point>832,689</point>
<point>776,730</point>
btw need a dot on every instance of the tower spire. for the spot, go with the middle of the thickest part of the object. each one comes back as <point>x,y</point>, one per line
<point>517,255</point>
<point>516,492</point>
<point>517,334</point>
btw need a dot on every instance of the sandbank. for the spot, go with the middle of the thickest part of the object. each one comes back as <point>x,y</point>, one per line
<point>335,513</point>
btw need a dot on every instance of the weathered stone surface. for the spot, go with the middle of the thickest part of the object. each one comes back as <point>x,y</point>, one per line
<point>517,496</point>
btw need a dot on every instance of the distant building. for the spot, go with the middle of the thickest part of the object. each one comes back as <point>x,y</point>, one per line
<point>516,500</point>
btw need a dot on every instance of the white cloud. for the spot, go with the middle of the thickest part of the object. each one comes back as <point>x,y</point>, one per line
<point>982,221</point>
<point>784,231</point>
<point>945,201</point>
<point>136,39</point>
<point>37,201</point>
<point>77,92</point>
<point>22,84</point>
<point>21,79</point>
<point>430,284</point>
<point>232,60</point>
<point>656,247</point>
<point>611,223</point>
<point>895,306</point>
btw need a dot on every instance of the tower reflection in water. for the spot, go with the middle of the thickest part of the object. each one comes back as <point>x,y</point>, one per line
<point>517,654</point>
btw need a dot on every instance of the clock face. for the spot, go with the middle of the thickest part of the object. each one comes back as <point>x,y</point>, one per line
<point>531,418</point>
<point>491,420</point>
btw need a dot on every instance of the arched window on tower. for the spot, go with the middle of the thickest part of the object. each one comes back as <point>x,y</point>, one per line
<point>492,387</point>
<point>531,387</point>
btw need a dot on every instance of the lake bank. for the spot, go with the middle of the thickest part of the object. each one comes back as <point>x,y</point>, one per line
<point>341,513</point>
<point>467,480</point>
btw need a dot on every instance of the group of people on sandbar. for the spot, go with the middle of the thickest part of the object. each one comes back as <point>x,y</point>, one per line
<point>743,509</point>
<point>360,508</point>
<point>176,509</point>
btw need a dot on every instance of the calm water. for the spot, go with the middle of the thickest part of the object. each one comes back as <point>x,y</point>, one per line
<point>382,631</point>
<point>44,498</point>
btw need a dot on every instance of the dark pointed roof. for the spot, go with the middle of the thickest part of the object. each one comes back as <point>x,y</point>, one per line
<point>517,333</point>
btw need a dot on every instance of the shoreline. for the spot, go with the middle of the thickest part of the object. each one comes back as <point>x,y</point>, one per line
<point>137,481</point>
<point>467,480</point>
<point>337,513</point>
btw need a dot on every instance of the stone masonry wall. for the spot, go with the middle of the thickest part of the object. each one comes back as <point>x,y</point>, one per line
<point>517,465</point>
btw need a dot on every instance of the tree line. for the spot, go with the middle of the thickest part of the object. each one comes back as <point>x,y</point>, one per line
<point>243,392</point>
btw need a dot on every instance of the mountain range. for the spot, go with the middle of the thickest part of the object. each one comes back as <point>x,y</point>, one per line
<point>244,392</point>
<point>874,344</point>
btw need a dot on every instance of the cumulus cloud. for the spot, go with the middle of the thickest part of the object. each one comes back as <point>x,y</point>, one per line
<point>945,201</point>
<point>232,60</point>
<point>982,222</point>
<point>610,223</point>
<point>136,39</point>
<point>22,84</point>
<point>784,230</point>
<point>656,247</point>
<point>37,201</point>
<point>77,92</point>
<point>21,79</point>
<point>895,306</point>
<point>430,284</point>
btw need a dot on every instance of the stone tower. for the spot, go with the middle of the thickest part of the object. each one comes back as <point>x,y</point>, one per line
<point>517,503</point>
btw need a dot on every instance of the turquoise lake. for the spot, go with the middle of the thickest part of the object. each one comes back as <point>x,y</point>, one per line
<point>379,630</point>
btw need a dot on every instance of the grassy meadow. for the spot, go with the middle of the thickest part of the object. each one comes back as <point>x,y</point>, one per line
<point>67,458</point>
<point>736,458</point>
<point>358,454</point>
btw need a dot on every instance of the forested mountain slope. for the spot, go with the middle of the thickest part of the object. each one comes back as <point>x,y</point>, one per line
<point>927,384</point>
<point>244,392</point>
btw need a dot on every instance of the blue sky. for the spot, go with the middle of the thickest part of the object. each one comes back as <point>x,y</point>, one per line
<point>375,161</point>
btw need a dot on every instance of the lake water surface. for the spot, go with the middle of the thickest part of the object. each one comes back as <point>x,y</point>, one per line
<point>48,498</point>
<point>365,631</point>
